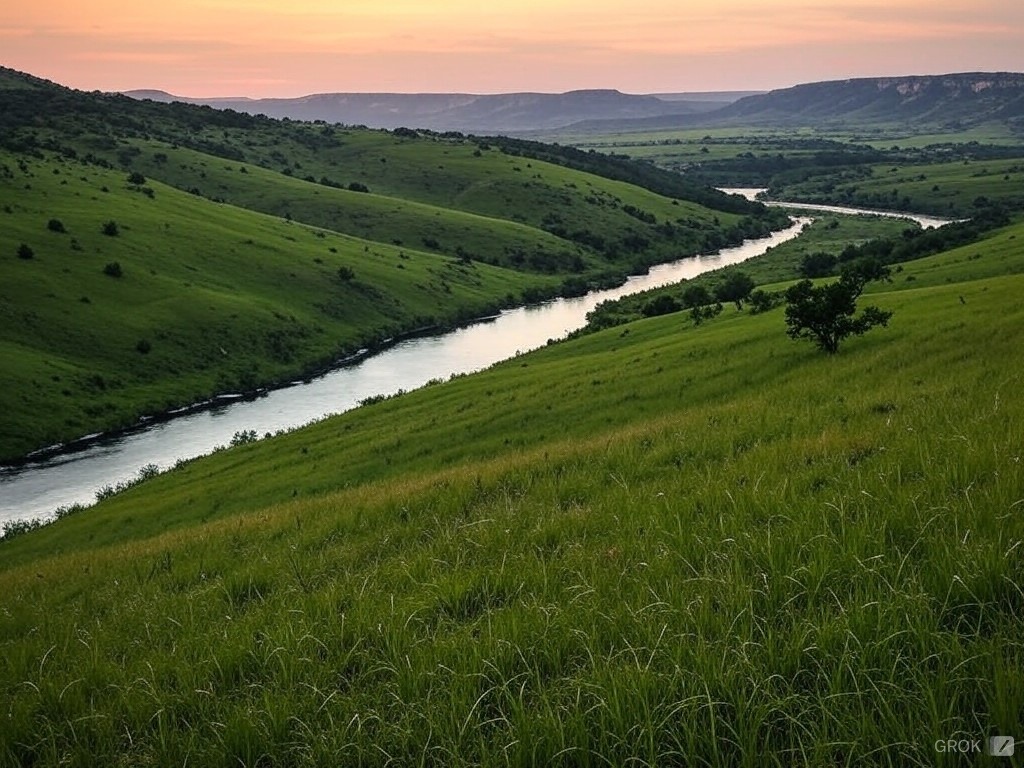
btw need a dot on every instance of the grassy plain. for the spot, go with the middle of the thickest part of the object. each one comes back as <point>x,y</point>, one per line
<point>655,544</point>
<point>687,142</point>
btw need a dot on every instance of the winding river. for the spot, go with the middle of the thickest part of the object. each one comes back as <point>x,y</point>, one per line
<point>36,489</point>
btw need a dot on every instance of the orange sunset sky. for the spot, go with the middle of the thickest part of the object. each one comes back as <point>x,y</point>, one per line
<point>294,47</point>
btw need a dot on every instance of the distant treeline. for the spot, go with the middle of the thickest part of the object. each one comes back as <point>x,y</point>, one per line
<point>622,168</point>
<point>829,160</point>
<point>918,243</point>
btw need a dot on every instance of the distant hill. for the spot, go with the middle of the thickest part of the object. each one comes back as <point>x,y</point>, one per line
<point>969,98</point>
<point>946,100</point>
<point>475,113</point>
<point>198,251</point>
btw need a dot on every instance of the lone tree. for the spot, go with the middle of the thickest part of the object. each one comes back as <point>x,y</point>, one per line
<point>696,296</point>
<point>736,288</point>
<point>825,314</point>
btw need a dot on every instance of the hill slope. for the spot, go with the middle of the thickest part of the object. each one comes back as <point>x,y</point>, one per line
<point>956,100</point>
<point>701,546</point>
<point>966,98</point>
<point>550,221</point>
<point>204,298</point>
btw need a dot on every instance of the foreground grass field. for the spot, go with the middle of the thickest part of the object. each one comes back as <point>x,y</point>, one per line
<point>655,545</point>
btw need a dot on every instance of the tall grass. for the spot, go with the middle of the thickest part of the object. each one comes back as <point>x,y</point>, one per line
<point>756,556</point>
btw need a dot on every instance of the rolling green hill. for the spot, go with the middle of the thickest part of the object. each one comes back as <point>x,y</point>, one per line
<point>254,250</point>
<point>678,545</point>
<point>204,298</point>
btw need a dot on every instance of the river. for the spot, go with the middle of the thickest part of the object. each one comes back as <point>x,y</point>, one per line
<point>751,193</point>
<point>36,489</point>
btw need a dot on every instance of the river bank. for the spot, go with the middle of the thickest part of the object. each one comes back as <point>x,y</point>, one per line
<point>37,488</point>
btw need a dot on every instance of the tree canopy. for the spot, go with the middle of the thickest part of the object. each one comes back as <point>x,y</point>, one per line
<point>826,314</point>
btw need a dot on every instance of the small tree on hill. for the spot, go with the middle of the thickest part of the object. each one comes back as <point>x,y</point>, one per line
<point>825,314</point>
<point>696,296</point>
<point>702,313</point>
<point>736,288</point>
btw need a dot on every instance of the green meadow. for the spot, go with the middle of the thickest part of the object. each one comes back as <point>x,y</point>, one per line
<point>657,544</point>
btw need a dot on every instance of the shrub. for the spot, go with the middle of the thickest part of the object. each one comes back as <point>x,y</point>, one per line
<point>355,186</point>
<point>662,305</point>
<point>762,301</point>
<point>113,269</point>
<point>55,225</point>
<point>147,472</point>
<point>696,296</point>
<point>25,251</point>
<point>702,313</point>
<point>143,347</point>
<point>346,274</point>
<point>244,437</point>
<point>819,264</point>
<point>12,528</point>
<point>136,178</point>
<point>110,228</point>
<point>736,288</point>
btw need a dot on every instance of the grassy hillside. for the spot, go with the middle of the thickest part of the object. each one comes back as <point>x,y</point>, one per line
<point>655,543</point>
<point>580,202</point>
<point>442,197</point>
<point>364,234</point>
<point>954,188</point>
<point>205,298</point>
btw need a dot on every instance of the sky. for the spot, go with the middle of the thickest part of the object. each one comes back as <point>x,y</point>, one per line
<point>287,48</point>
